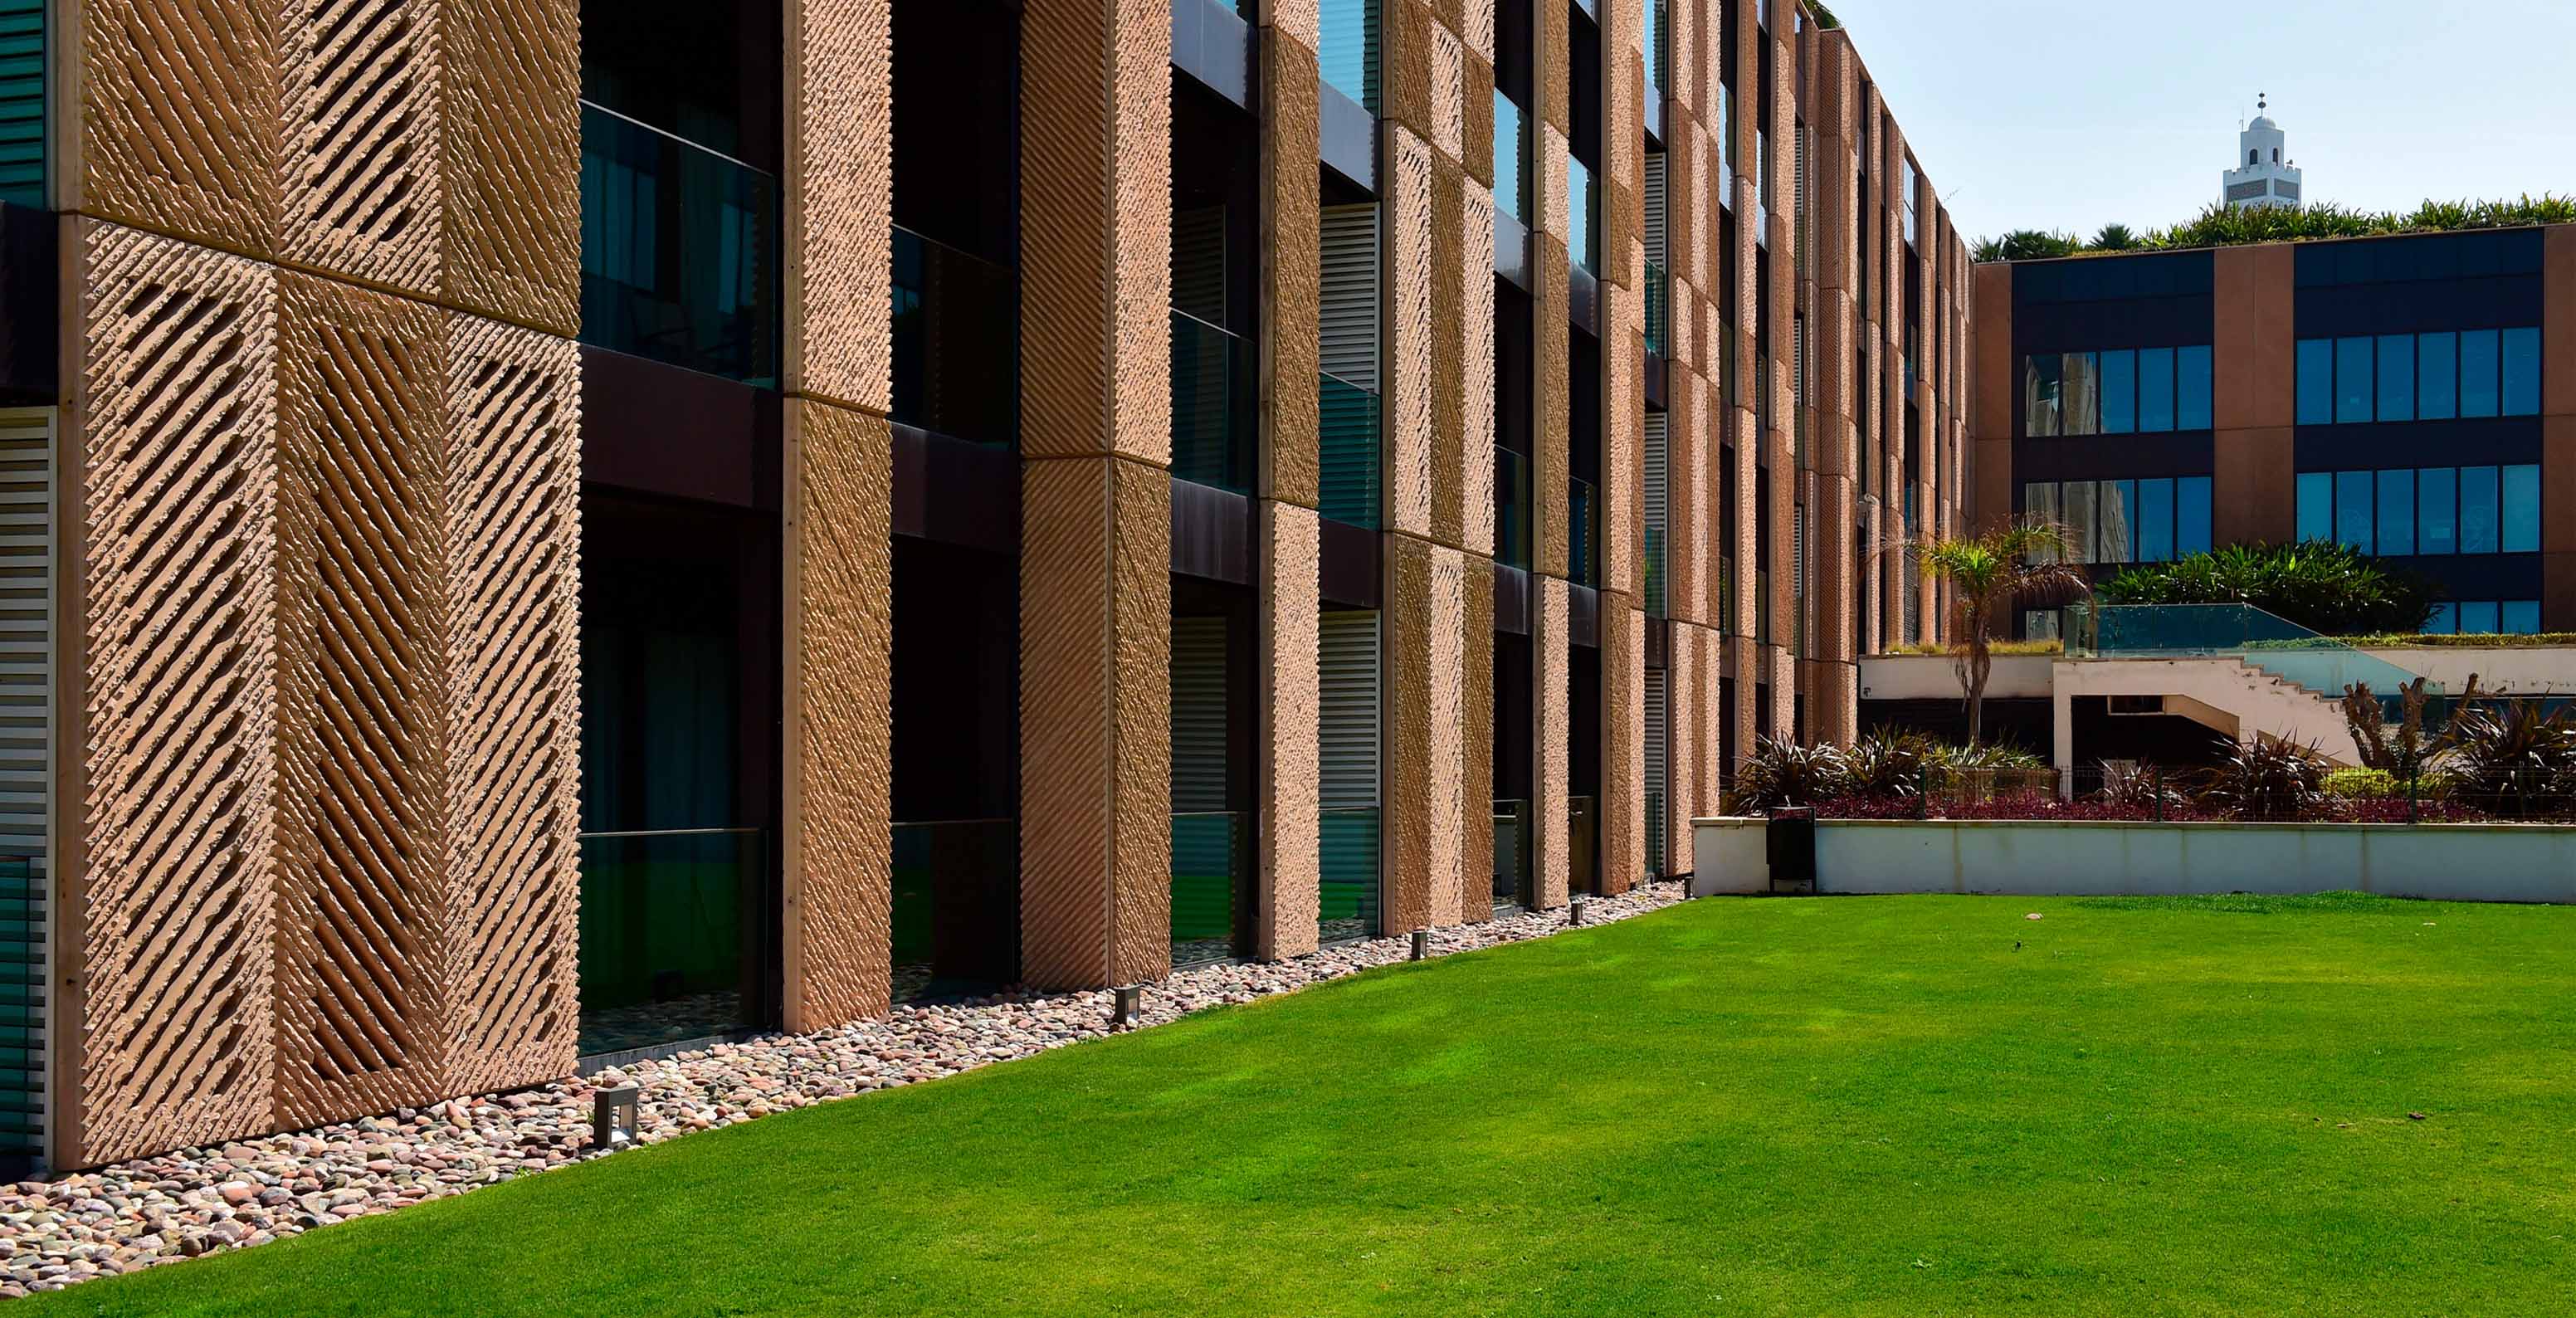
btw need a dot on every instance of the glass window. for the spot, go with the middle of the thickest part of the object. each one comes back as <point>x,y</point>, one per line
<point>2352,509</point>
<point>2352,379</point>
<point>2519,617</point>
<point>2119,515</point>
<point>2478,373</point>
<point>2080,397</point>
<point>2191,382</point>
<point>2477,510</point>
<point>2397,511</point>
<point>2119,392</point>
<point>2155,389</point>
<point>2396,377</point>
<point>2155,523</point>
<point>2039,389</point>
<point>2316,382</point>
<point>2477,617</point>
<point>2522,372</point>
<point>2445,620</point>
<point>2079,514</point>
<point>2437,504</point>
<point>2316,505</point>
<point>2521,509</point>
<point>2437,391</point>
<point>2039,504</point>
<point>2191,515</point>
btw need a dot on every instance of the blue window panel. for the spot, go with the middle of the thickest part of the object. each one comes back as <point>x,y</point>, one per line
<point>2478,373</point>
<point>2191,516</point>
<point>2396,377</point>
<point>2316,505</point>
<point>2352,379</point>
<point>2519,617</point>
<point>2352,509</point>
<point>2397,511</point>
<point>2477,510</point>
<point>2437,364</point>
<point>2155,528</point>
<point>2316,382</point>
<point>2445,620</point>
<point>2119,392</point>
<point>2191,384</point>
<point>2522,509</point>
<point>2437,510</point>
<point>2477,617</point>
<point>2522,372</point>
<point>2119,523</point>
<point>2155,388</point>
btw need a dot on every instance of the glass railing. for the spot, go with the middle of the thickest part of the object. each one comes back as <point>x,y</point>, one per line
<point>1579,216</point>
<point>1347,53</point>
<point>1511,509</point>
<point>956,342</point>
<point>1205,860</point>
<point>1582,533</point>
<point>679,251</point>
<point>1654,572</point>
<point>1347,880</point>
<point>1659,309</point>
<point>662,935</point>
<point>1583,845</point>
<point>1512,853</point>
<point>1511,147</point>
<point>1348,451</point>
<point>956,906</point>
<point>1207,363</point>
<point>1654,830</point>
<point>2264,640</point>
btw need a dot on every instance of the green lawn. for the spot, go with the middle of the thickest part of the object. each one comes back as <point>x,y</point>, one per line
<point>1900,1106</point>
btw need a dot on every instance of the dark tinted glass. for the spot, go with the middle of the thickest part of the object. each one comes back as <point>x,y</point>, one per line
<point>2397,511</point>
<point>2155,528</point>
<point>2191,515</point>
<point>2522,372</point>
<point>2521,504</point>
<point>2352,509</point>
<point>2191,385</point>
<point>2316,505</point>
<point>2119,392</point>
<point>2478,373</point>
<point>2316,382</point>
<point>2477,510</point>
<point>2396,377</point>
<point>2352,379</point>
<point>2437,364</point>
<point>2155,389</point>
<point>2437,503</point>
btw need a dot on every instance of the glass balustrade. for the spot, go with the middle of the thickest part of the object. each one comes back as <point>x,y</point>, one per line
<point>1654,570</point>
<point>2263,640</point>
<point>679,251</point>
<point>1659,310</point>
<point>1583,532</point>
<point>956,342</point>
<point>1348,879</point>
<point>1579,216</point>
<point>1349,452</point>
<point>1511,509</point>
<point>1511,147</point>
<point>1512,853</point>
<point>956,906</point>
<point>1208,434</point>
<point>663,936</point>
<point>1206,860</point>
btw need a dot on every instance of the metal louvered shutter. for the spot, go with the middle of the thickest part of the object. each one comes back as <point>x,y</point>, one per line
<point>1657,543</point>
<point>1347,312</point>
<point>22,102</point>
<point>1655,202</point>
<point>1198,263</point>
<point>1198,715</point>
<point>1348,735</point>
<point>26,770</point>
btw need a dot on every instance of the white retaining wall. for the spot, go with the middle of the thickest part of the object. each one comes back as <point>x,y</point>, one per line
<point>2460,862</point>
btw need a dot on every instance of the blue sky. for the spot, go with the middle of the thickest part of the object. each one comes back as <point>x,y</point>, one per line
<point>2051,115</point>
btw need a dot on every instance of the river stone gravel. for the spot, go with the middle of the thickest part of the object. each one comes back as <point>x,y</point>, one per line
<point>179,1205</point>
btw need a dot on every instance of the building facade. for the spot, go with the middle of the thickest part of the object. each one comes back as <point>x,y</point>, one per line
<point>549,529</point>
<point>2264,178</point>
<point>2413,396</point>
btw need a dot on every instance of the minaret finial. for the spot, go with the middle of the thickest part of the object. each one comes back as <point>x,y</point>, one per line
<point>2262,102</point>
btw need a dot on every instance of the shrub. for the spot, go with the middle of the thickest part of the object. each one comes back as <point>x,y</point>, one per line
<point>2266,778</point>
<point>2508,758</point>
<point>2140,788</point>
<point>1781,773</point>
<point>2320,585</point>
<point>1889,764</point>
<point>2361,783</point>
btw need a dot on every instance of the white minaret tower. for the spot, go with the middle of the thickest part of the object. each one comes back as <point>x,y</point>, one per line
<point>2262,176</point>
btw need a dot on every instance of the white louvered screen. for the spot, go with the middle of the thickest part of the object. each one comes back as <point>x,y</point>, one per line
<point>1655,210</point>
<point>1198,715</point>
<point>26,625</point>
<point>1348,313</point>
<point>1348,737</point>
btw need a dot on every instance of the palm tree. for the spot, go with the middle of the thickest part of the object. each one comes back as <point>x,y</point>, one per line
<point>2115,237</point>
<point>1988,575</point>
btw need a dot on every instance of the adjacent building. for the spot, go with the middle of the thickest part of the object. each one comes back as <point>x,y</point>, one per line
<point>2266,179</point>
<point>545,529</point>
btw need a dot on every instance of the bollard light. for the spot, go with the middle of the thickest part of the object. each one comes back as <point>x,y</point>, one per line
<point>1574,912</point>
<point>1421,944</point>
<point>1130,1005</point>
<point>612,1117</point>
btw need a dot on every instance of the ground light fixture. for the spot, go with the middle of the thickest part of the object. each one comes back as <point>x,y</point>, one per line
<point>612,1117</point>
<point>1574,911</point>
<point>1127,1005</point>
<point>1421,944</point>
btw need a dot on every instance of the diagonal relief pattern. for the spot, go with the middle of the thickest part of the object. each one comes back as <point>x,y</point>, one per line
<point>170,909</point>
<point>840,200</point>
<point>179,123</point>
<point>361,726</point>
<point>511,415</point>
<point>360,109</point>
<point>510,159</point>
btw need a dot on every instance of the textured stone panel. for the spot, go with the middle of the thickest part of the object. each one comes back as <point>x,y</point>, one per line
<point>1555,209</point>
<point>362,703</point>
<point>1476,366</point>
<point>169,831</point>
<point>362,192</point>
<point>1095,722</point>
<point>1623,472</point>
<point>1291,273</point>
<point>1449,348</point>
<point>837,855</point>
<point>1623,746</point>
<point>1290,705</point>
<point>1426,649</point>
<point>1553,410</point>
<point>179,128</point>
<point>840,201</point>
<point>1479,110</point>
<point>1411,356</point>
<point>1476,744</point>
<point>513,665</point>
<point>1447,130</point>
<point>1300,21</point>
<point>1551,639</point>
<point>511,159</point>
<point>1096,230</point>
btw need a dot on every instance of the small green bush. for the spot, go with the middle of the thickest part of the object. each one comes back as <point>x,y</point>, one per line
<point>2320,585</point>
<point>2361,783</point>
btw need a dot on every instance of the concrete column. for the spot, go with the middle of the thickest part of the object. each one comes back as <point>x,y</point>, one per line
<point>2253,394</point>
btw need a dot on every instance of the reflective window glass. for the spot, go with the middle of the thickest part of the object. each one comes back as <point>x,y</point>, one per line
<point>2155,524</point>
<point>2039,394</point>
<point>2522,372</point>
<point>2478,373</point>
<point>2445,620</point>
<point>2079,516</point>
<point>2477,510</point>
<point>2079,396</point>
<point>2191,385</point>
<point>2119,514</point>
<point>2316,505</point>
<point>2519,617</point>
<point>2521,517</point>
<point>2191,516</point>
<point>2396,377</point>
<point>2316,382</point>
<point>2119,392</point>
<point>2352,379</point>
<point>2477,617</point>
<point>2397,511</point>
<point>2437,517</point>
<point>2352,509</point>
<point>2437,364</point>
<point>2039,504</point>
<point>2155,389</point>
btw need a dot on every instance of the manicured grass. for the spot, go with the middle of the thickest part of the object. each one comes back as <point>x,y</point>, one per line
<point>1892,1106</point>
